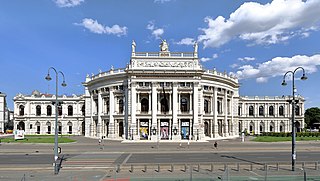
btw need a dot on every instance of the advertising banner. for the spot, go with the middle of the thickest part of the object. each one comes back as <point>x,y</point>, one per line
<point>19,134</point>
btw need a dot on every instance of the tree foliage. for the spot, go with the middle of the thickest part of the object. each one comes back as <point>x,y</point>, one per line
<point>312,115</point>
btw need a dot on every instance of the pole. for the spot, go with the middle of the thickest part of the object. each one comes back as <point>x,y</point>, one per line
<point>56,129</point>
<point>293,158</point>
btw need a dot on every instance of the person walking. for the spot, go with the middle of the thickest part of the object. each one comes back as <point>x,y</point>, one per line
<point>215,145</point>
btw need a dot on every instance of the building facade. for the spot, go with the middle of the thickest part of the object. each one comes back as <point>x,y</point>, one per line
<point>269,114</point>
<point>158,96</point>
<point>35,114</point>
<point>3,108</point>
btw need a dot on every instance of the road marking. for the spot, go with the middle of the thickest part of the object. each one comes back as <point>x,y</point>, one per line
<point>127,158</point>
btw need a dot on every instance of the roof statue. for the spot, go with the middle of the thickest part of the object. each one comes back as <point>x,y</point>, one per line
<point>133,46</point>
<point>195,46</point>
<point>164,47</point>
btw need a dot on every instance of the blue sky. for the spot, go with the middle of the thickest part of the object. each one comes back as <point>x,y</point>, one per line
<point>256,40</point>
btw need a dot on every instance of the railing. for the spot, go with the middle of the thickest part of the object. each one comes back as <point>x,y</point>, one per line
<point>161,54</point>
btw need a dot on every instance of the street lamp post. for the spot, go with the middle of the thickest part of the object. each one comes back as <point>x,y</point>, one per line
<point>48,78</point>
<point>294,90</point>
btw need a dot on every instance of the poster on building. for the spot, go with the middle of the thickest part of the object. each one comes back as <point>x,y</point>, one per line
<point>144,130</point>
<point>19,134</point>
<point>164,130</point>
<point>184,130</point>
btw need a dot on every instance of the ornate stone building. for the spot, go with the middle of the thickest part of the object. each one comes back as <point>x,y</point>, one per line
<point>269,114</point>
<point>35,114</point>
<point>168,95</point>
<point>3,108</point>
<point>159,96</point>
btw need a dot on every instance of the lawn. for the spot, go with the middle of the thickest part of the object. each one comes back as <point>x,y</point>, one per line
<point>278,139</point>
<point>38,139</point>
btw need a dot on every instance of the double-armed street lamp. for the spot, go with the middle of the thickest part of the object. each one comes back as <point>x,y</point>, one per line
<point>294,90</point>
<point>48,78</point>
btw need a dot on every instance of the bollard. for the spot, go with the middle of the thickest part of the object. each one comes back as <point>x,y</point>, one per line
<point>303,165</point>
<point>277,166</point>
<point>225,167</point>
<point>211,167</point>
<point>251,167</point>
<point>172,168</point>
<point>316,165</point>
<point>198,167</point>
<point>238,167</point>
<point>158,167</point>
<point>117,168</point>
<point>145,168</point>
<point>131,169</point>
<point>265,167</point>
<point>185,167</point>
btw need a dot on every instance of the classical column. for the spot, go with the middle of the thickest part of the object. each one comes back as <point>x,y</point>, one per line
<point>99,126</point>
<point>195,125</point>
<point>154,109</point>
<point>111,118</point>
<point>175,106</point>
<point>133,111</point>
<point>231,112</point>
<point>92,124</point>
<point>126,111</point>
<point>215,116</point>
<point>226,128</point>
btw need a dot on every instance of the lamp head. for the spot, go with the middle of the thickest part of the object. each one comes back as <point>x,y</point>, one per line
<point>48,78</point>
<point>64,84</point>
<point>304,77</point>
<point>284,83</point>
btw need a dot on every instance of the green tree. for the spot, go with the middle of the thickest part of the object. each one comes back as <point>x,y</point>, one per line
<point>312,115</point>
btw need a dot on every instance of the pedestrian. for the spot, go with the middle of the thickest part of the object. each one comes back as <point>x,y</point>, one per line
<point>99,141</point>
<point>215,145</point>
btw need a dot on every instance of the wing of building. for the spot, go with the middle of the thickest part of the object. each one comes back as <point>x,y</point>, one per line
<point>160,96</point>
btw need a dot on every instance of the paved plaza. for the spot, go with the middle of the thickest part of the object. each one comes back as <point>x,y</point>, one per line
<point>87,160</point>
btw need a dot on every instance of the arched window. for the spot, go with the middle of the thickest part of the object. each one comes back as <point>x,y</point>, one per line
<point>272,127</point>
<point>59,127</point>
<point>70,110</point>
<point>38,127</point>
<point>69,127</point>
<point>219,106</point>
<point>297,111</point>
<point>184,105</point>
<point>281,111</point>
<point>251,111</point>
<point>38,110</point>
<point>271,113</point>
<point>164,105</point>
<point>49,110</point>
<point>261,127</point>
<point>144,105</point>
<point>59,110</point>
<point>83,109</point>
<point>121,106</point>
<point>261,111</point>
<point>282,127</point>
<point>251,127</point>
<point>206,106</point>
<point>21,110</point>
<point>48,127</point>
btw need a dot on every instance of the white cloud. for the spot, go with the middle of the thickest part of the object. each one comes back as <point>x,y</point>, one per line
<point>234,65</point>
<point>156,32</point>
<point>68,3</point>
<point>186,41</point>
<point>214,56</point>
<point>161,1</point>
<point>98,28</point>
<point>205,59</point>
<point>271,23</point>
<point>278,66</point>
<point>247,59</point>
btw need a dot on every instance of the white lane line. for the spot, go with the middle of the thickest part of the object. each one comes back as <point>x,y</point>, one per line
<point>125,160</point>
